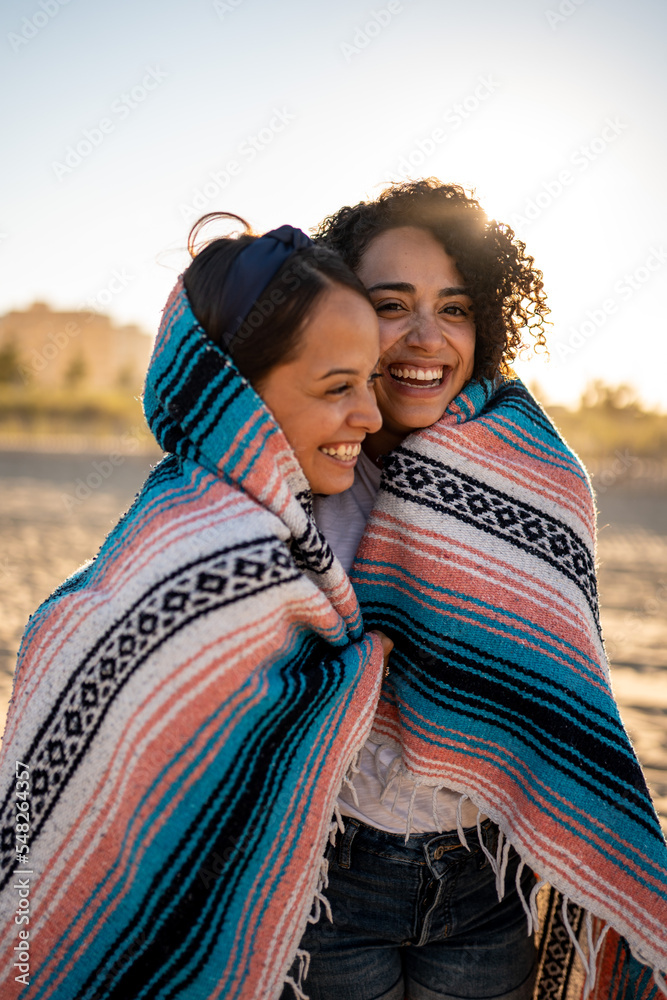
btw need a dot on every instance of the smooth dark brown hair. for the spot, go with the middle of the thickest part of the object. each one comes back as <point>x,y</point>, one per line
<point>270,333</point>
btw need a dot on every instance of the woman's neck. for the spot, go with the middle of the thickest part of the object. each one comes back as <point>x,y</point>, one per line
<point>377,445</point>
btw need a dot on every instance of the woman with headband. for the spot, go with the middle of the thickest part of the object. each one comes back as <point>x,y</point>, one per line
<point>497,760</point>
<point>186,705</point>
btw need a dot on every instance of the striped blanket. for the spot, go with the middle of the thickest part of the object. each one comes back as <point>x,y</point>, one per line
<point>478,560</point>
<point>184,711</point>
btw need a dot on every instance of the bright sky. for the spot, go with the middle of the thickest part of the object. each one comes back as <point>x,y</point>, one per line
<point>123,122</point>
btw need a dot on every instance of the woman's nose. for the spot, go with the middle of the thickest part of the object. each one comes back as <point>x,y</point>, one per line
<point>367,415</point>
<point>425,333</point>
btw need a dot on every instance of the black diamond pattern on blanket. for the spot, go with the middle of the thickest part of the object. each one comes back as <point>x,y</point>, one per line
<point>220,579</point>
<point>311,551</point>
<point>442,488</point>
<point>556,951</point>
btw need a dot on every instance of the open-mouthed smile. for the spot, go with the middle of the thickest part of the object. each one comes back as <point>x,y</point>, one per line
<point>421,378</point>
<point>344,452</point>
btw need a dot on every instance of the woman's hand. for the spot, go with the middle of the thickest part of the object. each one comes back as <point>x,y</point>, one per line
<point>387,646</point>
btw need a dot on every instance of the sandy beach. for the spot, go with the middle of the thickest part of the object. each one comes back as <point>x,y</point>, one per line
<point>55,510</point>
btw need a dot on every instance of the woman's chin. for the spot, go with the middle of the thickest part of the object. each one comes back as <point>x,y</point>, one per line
<point>414,415</point>
<point>410,411</point>
<point>328,475</point>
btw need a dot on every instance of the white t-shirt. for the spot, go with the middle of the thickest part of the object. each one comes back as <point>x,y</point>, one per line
<point>385,793</point>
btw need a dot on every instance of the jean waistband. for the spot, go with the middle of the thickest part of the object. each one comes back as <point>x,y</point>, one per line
<point>419,848</point>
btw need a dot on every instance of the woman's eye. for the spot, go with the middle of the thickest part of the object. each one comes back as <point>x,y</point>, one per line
<point>338,390</point>
<point>455,310</point>
<point>389,307</point>
<point>374,377</point>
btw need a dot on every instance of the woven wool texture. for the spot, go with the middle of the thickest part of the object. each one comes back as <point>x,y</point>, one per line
<point>187,705</point>
<point>478,559</point>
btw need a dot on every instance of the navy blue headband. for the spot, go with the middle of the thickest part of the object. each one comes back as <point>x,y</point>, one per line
<point>252,270</point>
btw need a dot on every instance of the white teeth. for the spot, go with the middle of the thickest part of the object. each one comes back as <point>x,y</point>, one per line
<point>421,374</point>
<point>343,451</point>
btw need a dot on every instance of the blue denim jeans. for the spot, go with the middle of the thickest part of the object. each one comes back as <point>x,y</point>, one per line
<point>419,920</point>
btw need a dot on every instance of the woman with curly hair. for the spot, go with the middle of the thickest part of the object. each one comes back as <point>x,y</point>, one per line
<point>497,761</point>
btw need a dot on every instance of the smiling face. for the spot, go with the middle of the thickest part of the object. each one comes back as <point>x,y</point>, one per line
<point>427,331</point>
<point>324,399</point>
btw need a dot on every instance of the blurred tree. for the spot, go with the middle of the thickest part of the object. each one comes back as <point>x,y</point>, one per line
<point>76,372</point>
<point>599,395</point>
<point>538,392</point>
<point>609,419</point>
<point>10,364</point>
<point>127,378</point>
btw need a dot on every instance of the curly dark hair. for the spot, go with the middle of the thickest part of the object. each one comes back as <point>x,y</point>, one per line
<point>505,287</point>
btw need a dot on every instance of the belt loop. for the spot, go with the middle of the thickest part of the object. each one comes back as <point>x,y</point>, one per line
<point>490,835</point>
<point>344,851</point>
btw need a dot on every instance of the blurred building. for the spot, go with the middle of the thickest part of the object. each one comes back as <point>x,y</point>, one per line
<point>41,347</point>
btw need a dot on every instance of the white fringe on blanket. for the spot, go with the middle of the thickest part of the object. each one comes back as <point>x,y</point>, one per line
<point>393,776</point>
